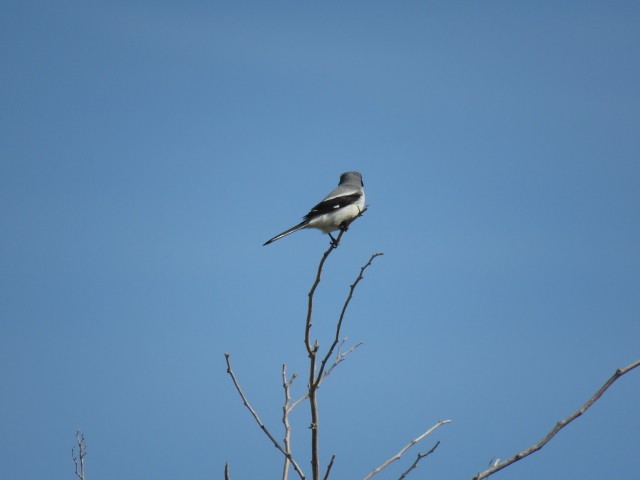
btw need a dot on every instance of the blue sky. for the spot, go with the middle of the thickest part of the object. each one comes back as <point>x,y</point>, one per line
<point>150,148</point>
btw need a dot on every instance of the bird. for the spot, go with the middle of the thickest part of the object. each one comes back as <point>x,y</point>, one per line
<point>339,208</point>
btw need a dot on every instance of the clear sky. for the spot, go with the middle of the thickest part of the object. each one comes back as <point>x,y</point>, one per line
<point>148,149</point>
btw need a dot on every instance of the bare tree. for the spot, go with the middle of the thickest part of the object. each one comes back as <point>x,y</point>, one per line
<point>321,365</point>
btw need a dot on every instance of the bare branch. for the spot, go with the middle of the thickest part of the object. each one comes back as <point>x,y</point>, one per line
<point>312,351</point>
<point>286,385</point>
<point>299,401</point>
<point>316,282</point>
<point>78,459</point>
<point>340,357</point>
<point>342,313</point>
<point>332,247</point>
<point>417,460</point>
<point>326,475</point>
<point>226,471</point>
<point>257,419</point>
<point>312,384</point>
<point>559,426</point>
<point>397,456</point>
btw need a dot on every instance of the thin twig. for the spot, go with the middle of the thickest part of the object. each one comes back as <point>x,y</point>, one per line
<point>558,426</point>
<point>286,385</point>
<point>257,419</point>
<point>78,459</point>
<point>342,313</point>
<point>326,475</point>
<point>397,456</point>
<point>226,471</point>
<point>340,357</point>
<point>417,460</point>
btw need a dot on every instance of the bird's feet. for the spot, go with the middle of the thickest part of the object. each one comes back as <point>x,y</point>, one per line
<point>334,242</point>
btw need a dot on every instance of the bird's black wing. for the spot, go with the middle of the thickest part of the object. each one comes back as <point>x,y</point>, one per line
<point>332,204</point>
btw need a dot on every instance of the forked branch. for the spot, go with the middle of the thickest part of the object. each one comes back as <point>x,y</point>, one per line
<point>339,358</point>
<point>334,244</point>
<point>257,419</point>
<point>417,460</point>
<point>314,380</point>
<point>78,458</point>
<point>342,313</point>
<point>398,455</point>
<point>312,350</point>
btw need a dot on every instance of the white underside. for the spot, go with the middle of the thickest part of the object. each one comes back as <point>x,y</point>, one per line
<point>330,222</point>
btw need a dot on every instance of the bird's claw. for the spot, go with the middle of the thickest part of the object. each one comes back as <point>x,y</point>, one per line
<point>334,242</point>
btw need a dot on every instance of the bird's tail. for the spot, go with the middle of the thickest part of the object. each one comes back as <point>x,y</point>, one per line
<point>300,226</point>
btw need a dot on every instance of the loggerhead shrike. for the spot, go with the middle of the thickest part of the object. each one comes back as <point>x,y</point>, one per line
<point>336,210</point>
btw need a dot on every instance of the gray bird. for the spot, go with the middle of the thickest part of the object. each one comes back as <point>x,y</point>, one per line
<point>343,204</point>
